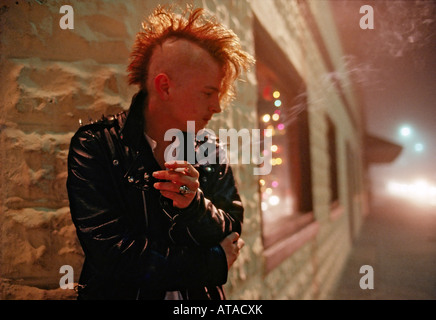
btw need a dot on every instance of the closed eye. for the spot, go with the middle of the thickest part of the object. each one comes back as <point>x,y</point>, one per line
<point>210,90</point>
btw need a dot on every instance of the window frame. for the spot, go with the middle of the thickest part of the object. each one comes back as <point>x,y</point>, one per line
<point>284,236</point>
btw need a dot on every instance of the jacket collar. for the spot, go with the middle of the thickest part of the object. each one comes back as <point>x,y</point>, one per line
<point>132,130</point>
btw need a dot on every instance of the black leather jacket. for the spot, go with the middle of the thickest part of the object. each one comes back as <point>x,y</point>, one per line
<point>136,244</point>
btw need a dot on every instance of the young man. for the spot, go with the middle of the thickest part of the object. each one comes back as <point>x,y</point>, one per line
<point>150,228</point>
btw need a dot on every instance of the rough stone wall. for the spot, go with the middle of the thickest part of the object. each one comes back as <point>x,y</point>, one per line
<point>50,78</point>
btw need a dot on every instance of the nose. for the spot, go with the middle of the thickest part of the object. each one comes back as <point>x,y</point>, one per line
<point>215,106</point>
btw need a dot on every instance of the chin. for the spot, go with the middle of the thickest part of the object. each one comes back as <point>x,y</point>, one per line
<point>201,124</point>
<point>198,125</point>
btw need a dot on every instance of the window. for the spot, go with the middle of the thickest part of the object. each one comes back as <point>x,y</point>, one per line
<point>286,193</point>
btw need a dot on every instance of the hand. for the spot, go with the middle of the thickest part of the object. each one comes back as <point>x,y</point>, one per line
<point>179,173</point>
<point>232,245</point>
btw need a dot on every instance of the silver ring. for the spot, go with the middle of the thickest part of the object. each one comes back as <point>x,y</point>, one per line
<point>184,190</point>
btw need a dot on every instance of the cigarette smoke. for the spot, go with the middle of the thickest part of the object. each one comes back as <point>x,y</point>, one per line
<point>404,26</point>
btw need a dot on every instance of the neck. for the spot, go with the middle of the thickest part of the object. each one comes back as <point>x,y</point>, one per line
<point>155,128</point>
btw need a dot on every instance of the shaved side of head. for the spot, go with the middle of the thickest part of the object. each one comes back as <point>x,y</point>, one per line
<point>178,59</point>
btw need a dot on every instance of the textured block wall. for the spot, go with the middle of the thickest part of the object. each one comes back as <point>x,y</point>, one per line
<point>50,79</point>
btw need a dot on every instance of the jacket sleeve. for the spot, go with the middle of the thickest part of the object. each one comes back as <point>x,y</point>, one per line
<point>114,248</point>
<point>215,212</point>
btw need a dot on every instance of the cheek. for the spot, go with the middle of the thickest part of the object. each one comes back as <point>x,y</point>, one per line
<point>191,106</point>
<point>186,105</point>
<point>196,105</point>
<point>189,111</point>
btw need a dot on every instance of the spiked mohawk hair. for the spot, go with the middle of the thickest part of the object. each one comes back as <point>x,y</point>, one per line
<point>198,27</point>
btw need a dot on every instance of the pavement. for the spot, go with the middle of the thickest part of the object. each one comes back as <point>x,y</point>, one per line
<point>398,242</point>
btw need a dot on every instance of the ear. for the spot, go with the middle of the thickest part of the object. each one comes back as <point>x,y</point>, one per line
<point>162,85</point>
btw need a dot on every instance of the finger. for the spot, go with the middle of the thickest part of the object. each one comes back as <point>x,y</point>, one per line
<point>166,186</point>
<point>184,167</point>
<point>177,177</point>
<point>166,174</point>
<point>240,243</point>
<point>175,186</point>
<point>172,195</point>
<point>233,237</point>
<point>176,164</point>
<point>179,201</point>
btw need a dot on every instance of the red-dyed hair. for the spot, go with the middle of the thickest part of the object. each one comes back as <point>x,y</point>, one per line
<point>196,26</point>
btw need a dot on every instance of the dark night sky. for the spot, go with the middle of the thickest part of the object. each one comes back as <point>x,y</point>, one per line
<point>395,64</point>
